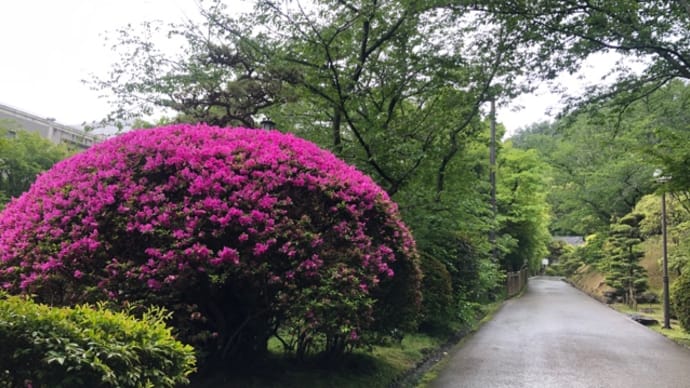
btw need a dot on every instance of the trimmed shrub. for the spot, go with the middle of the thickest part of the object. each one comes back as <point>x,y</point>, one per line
<point>680,298</point>
<point>241,233</point>
<point>437,295</point>
<point>45,346</point>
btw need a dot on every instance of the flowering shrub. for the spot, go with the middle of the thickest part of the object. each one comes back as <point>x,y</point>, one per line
<point>241,233</point>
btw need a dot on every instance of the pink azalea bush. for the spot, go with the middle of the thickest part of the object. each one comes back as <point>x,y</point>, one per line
<point>242,233</point>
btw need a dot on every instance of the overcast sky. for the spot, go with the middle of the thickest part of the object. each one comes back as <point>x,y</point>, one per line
<point>50,46</point>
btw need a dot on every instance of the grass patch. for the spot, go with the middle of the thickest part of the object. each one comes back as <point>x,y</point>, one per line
<point>377,367</point>
<point>380,366</point>
<point>656,311</point>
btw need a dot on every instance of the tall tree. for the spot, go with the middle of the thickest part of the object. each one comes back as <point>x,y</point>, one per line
<point>23,155</point>
<point>624,273</point>
<point>386,84</point>
<point>383,79</point>
<point>222,76</point>
<point>523,208</point>
<point>678,224</point>
<point>664,118</point>
<point>564,32</point>
<point>599,171</point>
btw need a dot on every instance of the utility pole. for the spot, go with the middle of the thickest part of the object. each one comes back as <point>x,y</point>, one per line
<point>492,178</point>
<point>661,178</point>
<point>667,319</point>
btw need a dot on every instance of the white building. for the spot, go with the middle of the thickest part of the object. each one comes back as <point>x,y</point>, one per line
<point>48,128</point>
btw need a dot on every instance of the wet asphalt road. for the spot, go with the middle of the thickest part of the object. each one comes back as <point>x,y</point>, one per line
<point>556,336</point>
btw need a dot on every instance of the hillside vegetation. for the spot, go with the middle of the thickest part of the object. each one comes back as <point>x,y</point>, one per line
<point>593,281</point>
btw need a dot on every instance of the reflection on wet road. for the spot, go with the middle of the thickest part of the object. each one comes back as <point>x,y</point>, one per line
<point>556,336</point>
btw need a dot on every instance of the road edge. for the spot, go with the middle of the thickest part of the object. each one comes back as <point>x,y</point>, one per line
<point>661,333</point>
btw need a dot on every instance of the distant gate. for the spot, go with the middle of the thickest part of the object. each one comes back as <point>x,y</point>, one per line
<point>515,281</point>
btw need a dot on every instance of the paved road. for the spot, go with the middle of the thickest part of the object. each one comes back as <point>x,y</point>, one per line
<point>556,336</point>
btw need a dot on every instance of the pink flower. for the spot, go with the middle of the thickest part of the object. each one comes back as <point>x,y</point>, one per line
<point>50,264</point>
<point>258,216</point>
<point>266,202</point>
<point>229,255</point>
<point>26,281</point>
<point>317,242</point>
<point>353,335</point>
<point>153,284</point>
<point>146,228</point>
<point>260,249</point>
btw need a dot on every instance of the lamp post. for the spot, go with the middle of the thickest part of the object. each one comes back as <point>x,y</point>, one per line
<point>492,180</point>
<point>658,175</point>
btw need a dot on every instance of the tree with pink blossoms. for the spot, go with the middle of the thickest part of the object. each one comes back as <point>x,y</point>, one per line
<point>244,234</point>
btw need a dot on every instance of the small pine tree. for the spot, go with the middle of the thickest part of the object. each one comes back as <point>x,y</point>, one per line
<point>624,273</point>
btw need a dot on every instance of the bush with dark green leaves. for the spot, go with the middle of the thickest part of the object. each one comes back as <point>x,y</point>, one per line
<point>437,294</point>
<point>87,346</point>
<point>680,298</point>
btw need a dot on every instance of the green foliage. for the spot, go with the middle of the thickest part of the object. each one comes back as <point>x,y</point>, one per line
<point>602,161</point>
<point>453,231</point>
<point>383,84</point>
<point>523,208</point>
<point>678,226</point>
<point>560,259</point>
<point>45,346</point>
<point>451,221</point>
<point>568,264</point>
<point>437,294</point>
<point>593,250</point>
<point>650,207</point>
<point>23,155</point>
<point>223,82</point>
<point>653,33</point>
<point>558,249</point>
<point>661,123</point>
<point>491,279</point>
<point>679,247</point>
<point>623,271</point>
<point>597,170</point>
<point>571,259</point>
<point>680,298</point>
<point>378,367</point>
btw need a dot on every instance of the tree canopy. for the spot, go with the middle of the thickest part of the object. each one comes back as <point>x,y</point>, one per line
<point>23,155</point>
<point>398,88</point>
<point>563,33</point>
<point>603,163</point>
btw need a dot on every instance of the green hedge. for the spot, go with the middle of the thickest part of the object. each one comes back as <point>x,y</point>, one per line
<point>680,298</point>
<point>87,346</point>
<point>437,294</point>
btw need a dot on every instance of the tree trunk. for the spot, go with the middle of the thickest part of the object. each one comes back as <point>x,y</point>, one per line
<point>335,131</point>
